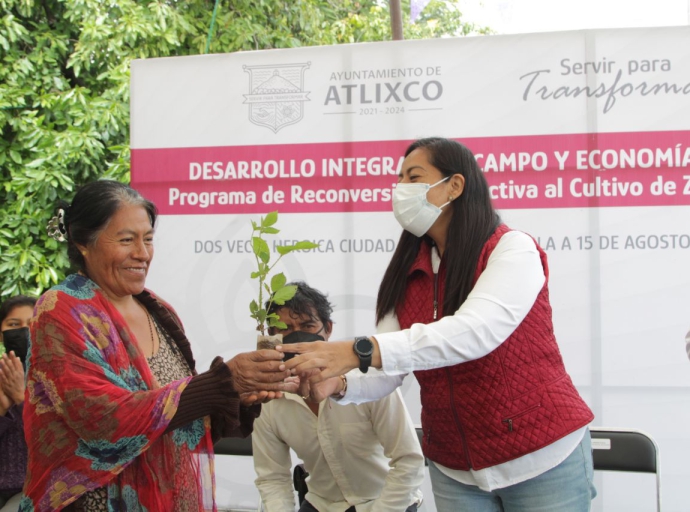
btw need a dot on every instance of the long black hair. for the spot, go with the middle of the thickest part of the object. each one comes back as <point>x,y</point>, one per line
<point>472,222</point>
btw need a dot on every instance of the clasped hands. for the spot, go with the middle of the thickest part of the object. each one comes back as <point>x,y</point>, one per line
<point>11,382</point>
<point>262,375</point>
<point>319,365</point>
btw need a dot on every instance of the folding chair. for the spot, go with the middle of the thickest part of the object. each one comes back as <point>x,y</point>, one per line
<point>234,446</point>
<point>299,482</point>
<point>626,450</point>
<point>240,447</point>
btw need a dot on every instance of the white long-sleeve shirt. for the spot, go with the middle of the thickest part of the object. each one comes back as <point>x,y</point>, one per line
<point>501,299</point>
<point>365,455</point>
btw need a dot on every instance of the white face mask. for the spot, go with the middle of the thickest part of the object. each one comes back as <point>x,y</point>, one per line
<point>411,208</point>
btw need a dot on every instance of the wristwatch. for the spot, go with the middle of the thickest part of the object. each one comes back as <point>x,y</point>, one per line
<point>364,348</point>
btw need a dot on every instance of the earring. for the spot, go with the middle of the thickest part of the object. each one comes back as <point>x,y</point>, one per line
<point>450,198</point>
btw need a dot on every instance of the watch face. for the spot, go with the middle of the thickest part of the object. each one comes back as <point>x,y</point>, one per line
<point>364,346</point>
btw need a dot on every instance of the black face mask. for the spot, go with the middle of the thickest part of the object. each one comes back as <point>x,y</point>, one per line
<point>17,340</point>
<point>299,337</point>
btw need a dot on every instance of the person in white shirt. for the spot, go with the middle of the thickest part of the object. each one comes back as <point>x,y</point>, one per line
<point>504,428</point>
<point>359,457</point>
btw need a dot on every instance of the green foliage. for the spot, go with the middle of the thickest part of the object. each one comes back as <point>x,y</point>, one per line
<point>278,292</point>
<point>64,90</point>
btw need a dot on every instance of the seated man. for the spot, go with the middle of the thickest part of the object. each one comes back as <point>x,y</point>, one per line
<point>359,457</point>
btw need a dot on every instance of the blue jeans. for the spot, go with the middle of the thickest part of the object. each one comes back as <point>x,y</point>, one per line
<point>566,488</point>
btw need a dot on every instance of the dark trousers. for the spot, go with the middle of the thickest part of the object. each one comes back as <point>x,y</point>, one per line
<point>308,507</point>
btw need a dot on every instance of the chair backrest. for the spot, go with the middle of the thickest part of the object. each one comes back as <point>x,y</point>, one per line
<point>420,436</point>
<point>299,482</point>
<point>234,446</point>
<point>626,450</point>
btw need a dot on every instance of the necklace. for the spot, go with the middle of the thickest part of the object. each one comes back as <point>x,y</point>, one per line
<point>153,340</point>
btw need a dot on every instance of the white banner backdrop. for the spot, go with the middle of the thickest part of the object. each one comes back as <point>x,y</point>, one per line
<point>585,140</point>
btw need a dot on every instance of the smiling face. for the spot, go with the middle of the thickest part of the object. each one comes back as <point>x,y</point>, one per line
<point>118,261</point>
<point>417,168</point>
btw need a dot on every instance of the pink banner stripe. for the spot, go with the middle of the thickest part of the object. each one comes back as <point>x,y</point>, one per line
<point>543,171</point>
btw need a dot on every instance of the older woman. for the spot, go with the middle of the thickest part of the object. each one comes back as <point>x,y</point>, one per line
<point>116,417</point>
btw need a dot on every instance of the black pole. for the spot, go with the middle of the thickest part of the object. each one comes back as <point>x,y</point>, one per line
<point>396,20</point>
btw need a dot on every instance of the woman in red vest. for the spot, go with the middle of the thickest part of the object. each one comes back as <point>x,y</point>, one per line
<point>464,304</point>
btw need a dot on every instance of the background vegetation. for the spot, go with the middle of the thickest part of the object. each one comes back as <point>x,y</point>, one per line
<point>64,90</point>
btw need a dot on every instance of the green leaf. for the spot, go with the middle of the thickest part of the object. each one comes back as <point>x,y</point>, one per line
<point>278,281</point>
<point>284,294</point>
<point>269,220</point>
<point>12,290</point>
<point>279,324</point>
<point>305,245</point>
<point>16,157</point>
<point>36,163</point>
<point>259,246</point>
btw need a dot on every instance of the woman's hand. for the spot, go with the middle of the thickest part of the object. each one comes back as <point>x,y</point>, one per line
<point>261,397</point>
<point>328,358</point>
<point>319,391</point>
<point>255,374</point>
<point>12,377</point>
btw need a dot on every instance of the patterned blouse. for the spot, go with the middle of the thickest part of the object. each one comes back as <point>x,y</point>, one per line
<point>167,365</point>
<point>99,416</point>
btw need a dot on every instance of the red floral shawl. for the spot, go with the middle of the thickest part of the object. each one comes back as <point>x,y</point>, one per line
<point>94,416</point>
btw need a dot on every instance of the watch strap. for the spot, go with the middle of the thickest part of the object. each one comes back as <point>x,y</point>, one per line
<point>364,358</point>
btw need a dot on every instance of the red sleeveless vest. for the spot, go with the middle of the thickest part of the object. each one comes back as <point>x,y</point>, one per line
<point>509,403</point>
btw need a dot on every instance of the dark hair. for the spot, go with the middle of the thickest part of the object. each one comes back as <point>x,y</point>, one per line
<point>307,301</point>
<point>14,302</point>
<point>472,222</point>
<point>92,208</point>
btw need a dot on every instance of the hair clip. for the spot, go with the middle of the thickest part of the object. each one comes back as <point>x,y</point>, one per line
<point>56,226</point>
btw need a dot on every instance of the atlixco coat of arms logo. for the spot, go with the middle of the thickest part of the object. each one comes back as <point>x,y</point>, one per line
<point>277,94</point>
